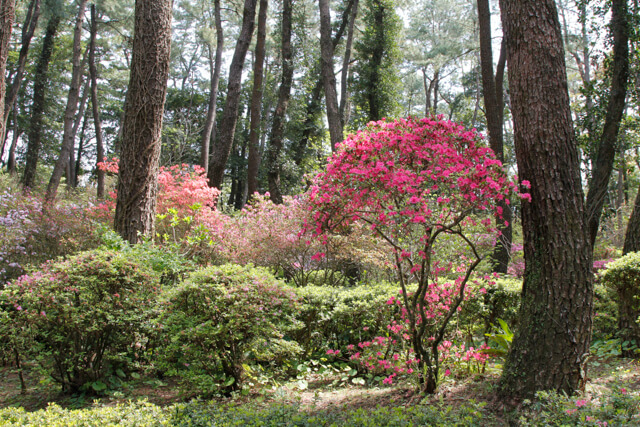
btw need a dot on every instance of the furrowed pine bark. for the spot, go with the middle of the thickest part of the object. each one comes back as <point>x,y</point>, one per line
<point>277,131</point>
<point>552,343</point>
<point>253,163</point>
<point>224,141</point>
<point>142,125</point>
<point>615,108</point>
<point>328,76</point>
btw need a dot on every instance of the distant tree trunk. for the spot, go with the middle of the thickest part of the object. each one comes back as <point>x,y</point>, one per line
<point>615,109</point>
<point>95,106</point>
<point>328,76</point>
<point>277,131</point>
<point>344,80</point>
<point>28,28</point>
<point>71,167</point>
<point>72,105</point>
<point>256,102</point>
<point>214,73</point>
<point>552,342</point>
<point>11,162</point>
<point>77,167</point>
<point>7,15</point>
<point>494,106</point>
<point>224,141</point>
<point>41,78</point>
<point>314,101</point>
<point>144,108</point>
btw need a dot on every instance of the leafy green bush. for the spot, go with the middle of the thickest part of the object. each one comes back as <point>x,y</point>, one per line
<point>480,313</point>
<point>334,317</point>
<point>618,408</point>
<point>622,276</point>
<point>222,318</point>
<point>83,319</point>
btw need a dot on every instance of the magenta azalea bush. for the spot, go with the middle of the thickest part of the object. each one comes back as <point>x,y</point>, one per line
<point>424,187</point>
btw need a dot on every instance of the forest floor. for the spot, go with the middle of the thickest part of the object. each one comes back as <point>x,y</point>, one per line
<point>320,393</point>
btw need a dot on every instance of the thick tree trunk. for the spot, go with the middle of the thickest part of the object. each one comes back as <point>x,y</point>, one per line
<point>72,105</point>
<point>615,109</point>
<point>493,107</point>
<point>552,342</point>
<point>328,76</point>
<point>214,72</point>
<point>28,28</point>
<point>256,102</point>
<point>224,141</point>
<point>141,129</point>
<point>279,116</point>
<point>95,106</point>
<point>7,15</point>
<point>38,106</point>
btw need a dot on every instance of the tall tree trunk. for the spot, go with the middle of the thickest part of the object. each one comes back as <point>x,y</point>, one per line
<point>72,105</point>
<point>314,101</point>
<point>214,73</point>
<point>95,106</point>
<point>143,111</point>
<point>11,162</point>
<point>256,102</point>
<point>344,80</point>
<point>224,141</point>
<point>78,165</point>
<point>551,345</point>
<point>615,109</point>
<point>279,116</point>
<point>7,15</point>
<point>328,76</point>
<point>41,78</point>
<point>71,167</point>
<point>28,28</point>
<point>493,113</point>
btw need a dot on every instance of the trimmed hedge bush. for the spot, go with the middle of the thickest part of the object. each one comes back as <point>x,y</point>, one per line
<point>222,318</point>
<point>83,319</point>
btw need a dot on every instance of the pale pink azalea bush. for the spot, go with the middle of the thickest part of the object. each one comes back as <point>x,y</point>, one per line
<point>422,187</point>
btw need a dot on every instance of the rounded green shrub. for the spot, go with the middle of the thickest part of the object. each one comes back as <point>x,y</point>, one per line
<point>220,320</point>
<point>83,319</point>
<point>622,276</point>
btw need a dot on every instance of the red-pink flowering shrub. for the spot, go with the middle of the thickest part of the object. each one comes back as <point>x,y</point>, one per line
<point>421,186</point>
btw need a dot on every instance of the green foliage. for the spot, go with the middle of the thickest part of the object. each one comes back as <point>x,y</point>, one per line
<point>619,408</point>
<point>334,317</point>
<point>84,319</point>
<point>220,320</point>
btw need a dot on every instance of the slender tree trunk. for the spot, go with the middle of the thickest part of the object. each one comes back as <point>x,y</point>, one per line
<point>72,105</point>
<point>615,109</point>
<point>493,113</point>
<point>552,343</point>
<point>208,134</point>
<point>11,162</point>
<point>256,102</point>
<point>224,141</point>
<point>7,15</point>
<point>28,28</point>
<point>279,116</point>
<point>344,87</point>
<point>38,106</point>
<point>328,76</point>
<point>78,164</point>
<point>144,108</point>
<point>95,106</point>
<point>71,167</point>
